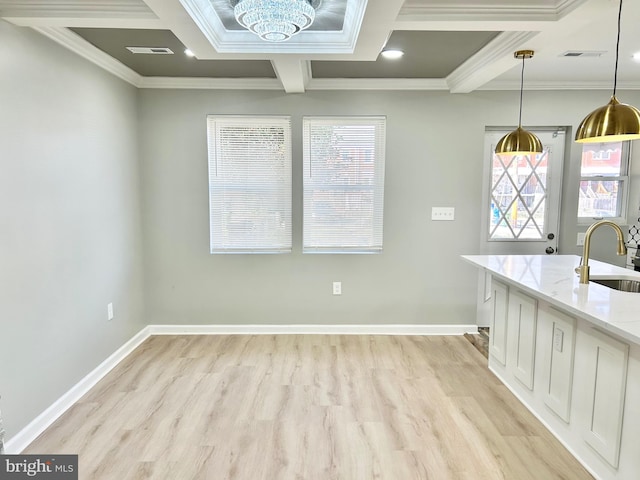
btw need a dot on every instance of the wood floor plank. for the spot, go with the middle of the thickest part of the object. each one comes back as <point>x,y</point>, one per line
<point>305,407</point>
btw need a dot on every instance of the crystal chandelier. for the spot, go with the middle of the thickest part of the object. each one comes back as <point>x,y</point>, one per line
<point>275,20</point>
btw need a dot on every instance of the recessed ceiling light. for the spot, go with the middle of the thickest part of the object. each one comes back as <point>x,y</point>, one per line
<point>189,53</point>
<point>392,54</point>
<point>636,56</point>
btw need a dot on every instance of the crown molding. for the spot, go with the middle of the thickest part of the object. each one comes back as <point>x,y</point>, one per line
<point>210,83</point>
<point>313,84</point>
<point>558,85</point>
<point>382,84</point>
<point>86,13</point>
<point>304,80</point>
<point>80,46</point>
<point>462,11</point>
<point>377,84</point>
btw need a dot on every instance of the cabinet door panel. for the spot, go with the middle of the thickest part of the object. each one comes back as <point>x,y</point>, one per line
<point>606,374</point>
<point>522,321</point>
<point>498,328</point>
<point>558,360</point>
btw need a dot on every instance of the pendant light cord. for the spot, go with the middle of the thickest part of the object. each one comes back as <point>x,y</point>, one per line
<point>615,74</point>
<point>521,88</point>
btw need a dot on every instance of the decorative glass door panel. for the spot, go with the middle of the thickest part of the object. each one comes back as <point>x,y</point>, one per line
<point>518,197</point>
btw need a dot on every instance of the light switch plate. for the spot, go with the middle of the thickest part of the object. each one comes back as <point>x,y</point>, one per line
<point>443,213</point>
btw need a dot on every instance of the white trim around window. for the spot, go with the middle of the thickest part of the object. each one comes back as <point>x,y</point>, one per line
<point>604,182</point>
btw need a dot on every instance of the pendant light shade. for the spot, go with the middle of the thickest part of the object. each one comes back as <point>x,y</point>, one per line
<point>520,141</point>
<point>615,122</point>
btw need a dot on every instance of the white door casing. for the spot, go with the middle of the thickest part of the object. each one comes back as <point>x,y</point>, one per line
<point>521,197</point>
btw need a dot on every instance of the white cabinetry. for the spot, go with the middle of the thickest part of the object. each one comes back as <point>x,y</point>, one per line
<point>521,337</point>
<point>558,335</point>
<point>498,326</point>
<point>570,352</point>
<point>603,379</point>
<point>512,338</point>
<point>535,349</point>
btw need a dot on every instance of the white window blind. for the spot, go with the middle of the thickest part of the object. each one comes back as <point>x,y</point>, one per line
<point>249,184</point>
<point>343,184</point>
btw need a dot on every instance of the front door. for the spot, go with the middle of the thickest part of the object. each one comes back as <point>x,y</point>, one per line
<point>521,204</point>
<point>521,197</point>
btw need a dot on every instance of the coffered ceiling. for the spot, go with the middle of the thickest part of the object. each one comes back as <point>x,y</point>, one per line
<point>454,45</point>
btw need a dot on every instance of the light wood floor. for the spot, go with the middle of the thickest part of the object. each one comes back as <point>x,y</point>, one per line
<point>305,407</point>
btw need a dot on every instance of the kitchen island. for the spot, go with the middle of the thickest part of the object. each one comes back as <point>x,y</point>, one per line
<point>570,352</point>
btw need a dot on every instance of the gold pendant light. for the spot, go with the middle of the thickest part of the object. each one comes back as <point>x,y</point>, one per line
<point>520,141</point>
<point>615,122</point>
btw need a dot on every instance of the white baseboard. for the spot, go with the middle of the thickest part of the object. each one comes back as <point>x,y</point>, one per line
<point>28,434</point>
<point>22,439</point>
<point>312,329</point>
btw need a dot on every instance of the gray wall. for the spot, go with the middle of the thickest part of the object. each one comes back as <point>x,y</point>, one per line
<point>409,283</point>
<point>70,235</point>
<point>82,154</point>
<point>434,158</point>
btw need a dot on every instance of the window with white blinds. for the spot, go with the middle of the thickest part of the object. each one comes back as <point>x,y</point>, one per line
<point>343,184</point>
<point>249,184</point>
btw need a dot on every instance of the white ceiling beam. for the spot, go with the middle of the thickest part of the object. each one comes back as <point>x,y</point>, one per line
<point>493,60</point>
<point>497,56</point>
<point>293,73</point>
<point>377,25</point>
<point>546,43</point>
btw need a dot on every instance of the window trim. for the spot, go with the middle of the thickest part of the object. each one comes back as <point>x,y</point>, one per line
<point>625,166</point>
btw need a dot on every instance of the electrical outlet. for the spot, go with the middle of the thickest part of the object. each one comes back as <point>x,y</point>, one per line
<point>110,311</point>
<point>337,288</point>
<point>580,240</point>
<point>443,213</point>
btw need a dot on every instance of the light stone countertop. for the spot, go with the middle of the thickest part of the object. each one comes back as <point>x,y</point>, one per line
<point>552,278</point>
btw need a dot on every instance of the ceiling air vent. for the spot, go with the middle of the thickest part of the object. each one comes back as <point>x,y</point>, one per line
<point>582,54</point>
<point>151,50</point>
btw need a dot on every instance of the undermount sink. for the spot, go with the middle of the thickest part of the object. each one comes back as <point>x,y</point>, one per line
<point>621,283</point>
